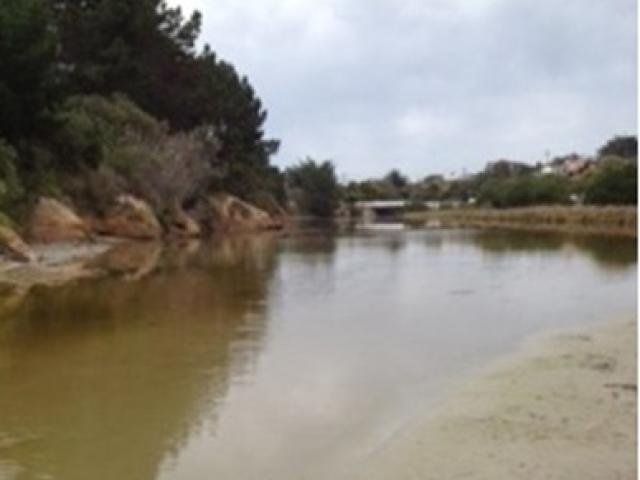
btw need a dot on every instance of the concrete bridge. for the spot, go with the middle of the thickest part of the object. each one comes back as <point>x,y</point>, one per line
<point>372,209</point>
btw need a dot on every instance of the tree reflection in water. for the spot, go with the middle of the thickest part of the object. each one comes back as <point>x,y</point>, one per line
<point>117,374</point>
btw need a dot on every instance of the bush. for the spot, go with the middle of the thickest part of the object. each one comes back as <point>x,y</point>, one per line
<point>314,187</point>
<point>93,130</point>
<point>614,183</point>
<point>95,190</point>
<point>524,191</point>
<point>11,190</point>
<point>108,146</point>
<point>171,172</point>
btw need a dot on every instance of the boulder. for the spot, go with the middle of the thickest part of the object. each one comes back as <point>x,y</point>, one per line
<point>269,204</point>
<point>132,218</point>
<point>278,214</point>
<point>182,225</point>
<point>13,247</point>
<point>51,221</point>
<point>226,213</point>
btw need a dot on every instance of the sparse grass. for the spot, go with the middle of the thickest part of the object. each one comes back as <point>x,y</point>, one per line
<point>614,220</point>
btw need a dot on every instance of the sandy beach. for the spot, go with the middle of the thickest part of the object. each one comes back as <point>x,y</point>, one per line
<point>562,407</point>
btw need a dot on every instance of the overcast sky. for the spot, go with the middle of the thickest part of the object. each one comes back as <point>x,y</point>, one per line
<point>432,86</point>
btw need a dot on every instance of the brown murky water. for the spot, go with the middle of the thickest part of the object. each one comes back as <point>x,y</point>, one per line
<point>265,358</point>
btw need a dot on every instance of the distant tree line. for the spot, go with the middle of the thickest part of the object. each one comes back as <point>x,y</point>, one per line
<point>95,92</point>
<point>608,179</point>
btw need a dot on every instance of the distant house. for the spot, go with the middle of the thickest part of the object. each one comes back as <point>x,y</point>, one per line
<point>576,166</point>
<point>569,165</point>
<point>547,170</point>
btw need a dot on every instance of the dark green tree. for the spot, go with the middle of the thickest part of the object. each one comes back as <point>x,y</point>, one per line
<point>11,189</point>
<point>146,50</point>
<point>27,53</point>
<point>397,179</point>
<point>615,183</point>
<point>133,47</point>
<point>620,146</point>
<point>314,187</point>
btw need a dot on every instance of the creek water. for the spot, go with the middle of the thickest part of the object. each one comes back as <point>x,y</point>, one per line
<point>277,358</point>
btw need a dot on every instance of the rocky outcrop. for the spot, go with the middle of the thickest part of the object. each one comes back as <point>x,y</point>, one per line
<point>13,247</point>
<point>225,213</point>
<point>130,218</point>
<point>51,222</point>
<point>278,214</point>
<point>182,225</point>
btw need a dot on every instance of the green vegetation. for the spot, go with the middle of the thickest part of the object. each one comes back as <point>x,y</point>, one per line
<point>98,94</point>
<point>623,147</point>
<point>393,185</point>
<point>524,191</point>
<point>615,183</point>
<point>10,188</point>
<point>608,179</point>
<point>314,187</point>
<point>27,70</point>
<point>113,147</point>
<point>94,131</point>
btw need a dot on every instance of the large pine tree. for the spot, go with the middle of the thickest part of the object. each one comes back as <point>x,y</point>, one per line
<point>27,52</point>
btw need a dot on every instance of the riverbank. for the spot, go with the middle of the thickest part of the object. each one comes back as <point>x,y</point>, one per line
<point>59,264</point>
<point>616,221</point>
<point>56,265</point>
<point>564,407</point>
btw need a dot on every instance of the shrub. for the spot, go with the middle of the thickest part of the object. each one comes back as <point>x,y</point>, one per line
<point>171,172</point>
<point>314,187</point>
<point>108,146</point>
<point>93,130</point>
<point>11,190</point>
<point>614,183</point>
<point>524,191</point>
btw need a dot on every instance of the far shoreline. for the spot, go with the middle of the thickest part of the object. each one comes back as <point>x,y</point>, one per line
<point>614,221</point>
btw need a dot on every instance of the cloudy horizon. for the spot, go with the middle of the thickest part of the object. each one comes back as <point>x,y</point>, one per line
<point>432,86</point>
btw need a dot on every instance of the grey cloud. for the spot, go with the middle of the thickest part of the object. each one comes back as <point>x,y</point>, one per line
<point>433,85</point>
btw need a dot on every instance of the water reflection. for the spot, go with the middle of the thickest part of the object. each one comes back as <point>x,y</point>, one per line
<point>130,260</point>
<point>608,252</point>
<point>259,357</point>
<point>117,374</point>
<point>311,248</point>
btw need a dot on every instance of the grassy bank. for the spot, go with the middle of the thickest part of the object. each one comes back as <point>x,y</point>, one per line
<point>609,220</point>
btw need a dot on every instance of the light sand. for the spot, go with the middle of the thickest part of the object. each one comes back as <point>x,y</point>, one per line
<point>564,407</point>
